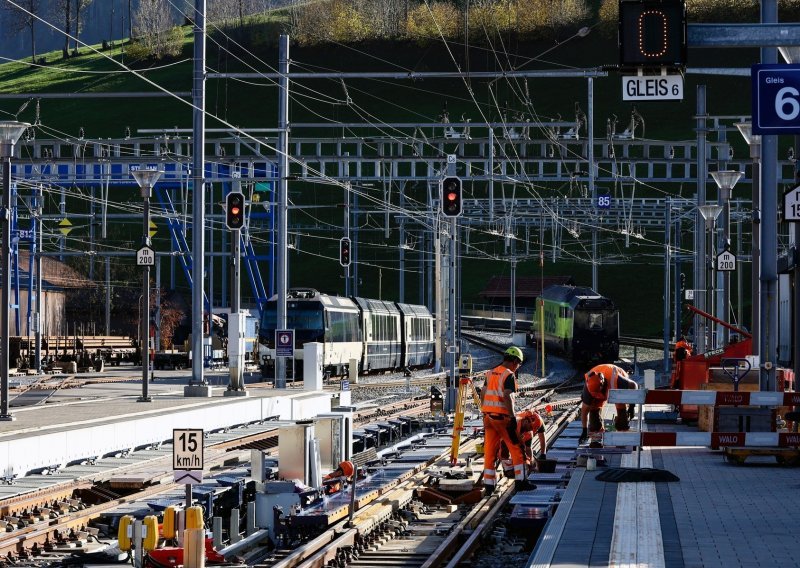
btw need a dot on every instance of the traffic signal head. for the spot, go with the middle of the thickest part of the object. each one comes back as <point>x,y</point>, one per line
<point>344,251</point>
<point>451,197</point>
<point>234,210</point>
<point>652,33</point>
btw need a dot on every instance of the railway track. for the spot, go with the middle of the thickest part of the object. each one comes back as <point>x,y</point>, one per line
<point>657,344</point>
<point>34,521</point>
<point>398,529</point>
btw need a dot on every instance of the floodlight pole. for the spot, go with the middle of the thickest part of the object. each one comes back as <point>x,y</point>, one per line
<point>146,178</point>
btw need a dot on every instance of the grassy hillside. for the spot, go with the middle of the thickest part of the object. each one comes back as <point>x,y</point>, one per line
<point>252,104</point>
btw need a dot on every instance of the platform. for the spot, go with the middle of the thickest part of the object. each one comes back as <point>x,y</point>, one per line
<point>93,421</point>
<point>718,514</point>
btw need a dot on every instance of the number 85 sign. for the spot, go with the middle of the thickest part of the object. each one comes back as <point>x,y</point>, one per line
<point>776,99</point>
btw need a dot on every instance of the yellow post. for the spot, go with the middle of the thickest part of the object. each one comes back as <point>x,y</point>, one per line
<point>541,332</point>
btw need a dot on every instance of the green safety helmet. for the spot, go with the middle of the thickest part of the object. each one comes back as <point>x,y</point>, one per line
<point>514,352</point>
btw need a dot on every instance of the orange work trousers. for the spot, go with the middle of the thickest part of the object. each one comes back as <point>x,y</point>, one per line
<point>495,428</point>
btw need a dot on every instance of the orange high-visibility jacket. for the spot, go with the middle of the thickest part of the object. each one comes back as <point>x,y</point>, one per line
<point>493,393</point>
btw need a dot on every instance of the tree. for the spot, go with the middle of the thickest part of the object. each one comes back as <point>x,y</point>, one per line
<point>79,6</point>
<point>62,12</point>
<point>156,34</point>
<point>20,20</point>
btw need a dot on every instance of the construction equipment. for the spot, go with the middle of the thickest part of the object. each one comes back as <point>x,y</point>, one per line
<point>464,384</point>
<point>691,373</point>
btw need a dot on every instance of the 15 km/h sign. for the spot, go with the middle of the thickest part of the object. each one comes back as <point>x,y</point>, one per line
<point>776,99</point>
<point>187,449</point>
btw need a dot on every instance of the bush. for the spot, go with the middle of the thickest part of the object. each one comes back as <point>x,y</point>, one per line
<point>433,21</point>
<point>138,50</point>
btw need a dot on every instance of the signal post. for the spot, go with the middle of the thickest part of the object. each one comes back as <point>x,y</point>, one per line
<point>452,208</point>
<point>234,220</point>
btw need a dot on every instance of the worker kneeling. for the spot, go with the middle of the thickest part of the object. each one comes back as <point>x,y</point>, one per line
<point>528,423</point>
<point>334,481</point>
<point>599,381</point>
<point>500,421</point>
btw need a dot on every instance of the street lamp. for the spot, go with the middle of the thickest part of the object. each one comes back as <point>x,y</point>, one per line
<point>725,180</point>
<point>710,212</point>
<point>10,132</point>
<point>792,55</point>
<point>146,178</point>
<point>754,143</point>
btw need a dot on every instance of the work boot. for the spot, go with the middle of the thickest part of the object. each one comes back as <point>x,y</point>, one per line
<point>488,490</point>
<point>584,436</point>
<point>524,485</point>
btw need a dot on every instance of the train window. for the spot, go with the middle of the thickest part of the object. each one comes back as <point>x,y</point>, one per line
<point>420,330</point>
<point>595,321</point>
<point>310,319</point>
<point>343,326</point>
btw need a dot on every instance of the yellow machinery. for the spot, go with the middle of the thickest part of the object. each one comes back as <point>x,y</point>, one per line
<point>464,384</point>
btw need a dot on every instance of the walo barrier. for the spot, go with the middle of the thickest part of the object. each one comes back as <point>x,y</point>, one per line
<point>713,439</point>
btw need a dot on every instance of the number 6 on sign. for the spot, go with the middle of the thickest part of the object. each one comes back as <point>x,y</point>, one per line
<point>187,449</point>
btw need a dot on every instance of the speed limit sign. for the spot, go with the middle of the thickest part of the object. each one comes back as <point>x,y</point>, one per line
<point>776,99</point>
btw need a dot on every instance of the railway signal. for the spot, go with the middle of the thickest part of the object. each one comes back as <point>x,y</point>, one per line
<point>451,197</point>
<point>234,210</point>
<point>652,33</point>
<point>344,251</point>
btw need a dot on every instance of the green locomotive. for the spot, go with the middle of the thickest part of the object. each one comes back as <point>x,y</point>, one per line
<point>580,324</point>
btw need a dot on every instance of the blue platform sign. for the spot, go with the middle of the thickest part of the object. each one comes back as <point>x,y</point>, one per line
<point>776,99</point>
<point>284,343</point>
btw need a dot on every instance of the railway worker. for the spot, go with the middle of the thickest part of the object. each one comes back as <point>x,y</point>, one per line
<point>333,482</point>
<point>599,381</point>
<point>683,349</point>
<point>499,419</point>
<point>528,424</point>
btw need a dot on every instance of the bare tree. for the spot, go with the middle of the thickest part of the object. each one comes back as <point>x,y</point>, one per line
<point>154,28</point>
<point>62,14</point>
<point>79,6</point>
<point>20,20</point>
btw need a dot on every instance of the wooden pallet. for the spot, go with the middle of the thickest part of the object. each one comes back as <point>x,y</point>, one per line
<point>784,456</point>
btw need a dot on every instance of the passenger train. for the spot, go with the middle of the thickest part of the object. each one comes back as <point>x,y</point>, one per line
<point>581,324</point>
<point>379,335</point>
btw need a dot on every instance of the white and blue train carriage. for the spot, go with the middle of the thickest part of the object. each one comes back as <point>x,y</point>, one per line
<point>380,335</point>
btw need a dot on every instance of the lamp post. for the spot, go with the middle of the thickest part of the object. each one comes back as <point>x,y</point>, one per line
<point>710,212</point>
<point>10,132</point>
<point>146,178</point>
<point>725,180</point>
<point>792,55</point>
<point>754,142</point>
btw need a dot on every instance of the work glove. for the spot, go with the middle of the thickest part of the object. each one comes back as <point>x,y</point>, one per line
<point>631,411</point>
<point>584,436</point>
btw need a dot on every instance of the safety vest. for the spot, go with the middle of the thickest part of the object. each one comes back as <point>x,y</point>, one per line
<point>610,372</point>
<point>494,394</point>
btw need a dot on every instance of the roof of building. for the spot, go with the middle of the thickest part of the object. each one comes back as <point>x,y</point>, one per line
<point>526,286</point>
<point>55,273</point>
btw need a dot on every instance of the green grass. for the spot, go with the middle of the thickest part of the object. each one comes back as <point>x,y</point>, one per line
<point>636,286</point>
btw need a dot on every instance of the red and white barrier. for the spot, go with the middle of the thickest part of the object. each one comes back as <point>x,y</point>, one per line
<point>713,439</point>
<point>715,398</point>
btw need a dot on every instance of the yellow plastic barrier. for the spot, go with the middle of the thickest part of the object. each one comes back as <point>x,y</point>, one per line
<point>122,534</point>
<point>168,528</point>
<point>150,541</point>
<point>194,517</point>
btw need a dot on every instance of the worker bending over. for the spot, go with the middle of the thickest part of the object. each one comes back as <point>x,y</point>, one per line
<point>499,419</point>
<point>599,381</point>
<point>683,350</point>
<point>528,423</point>
<point>334,481</point>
